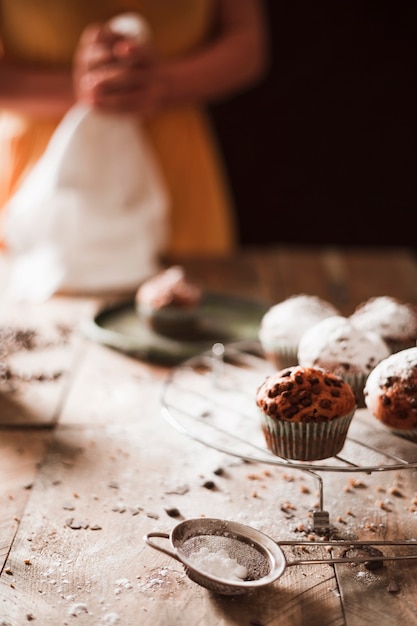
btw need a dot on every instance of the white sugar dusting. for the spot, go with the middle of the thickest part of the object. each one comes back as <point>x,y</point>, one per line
<point>218,563</point>
<point>79,608</point>
<point>289,319</point>
<point>400,364</point>
<point>110,619</point>
<point>336,342</point>
<point>387,316</point>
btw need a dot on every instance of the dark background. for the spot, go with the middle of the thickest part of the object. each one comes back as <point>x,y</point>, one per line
<point>324,150</point>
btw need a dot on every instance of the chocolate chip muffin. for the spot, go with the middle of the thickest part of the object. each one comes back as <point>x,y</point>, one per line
<point>306,412</point>
<point>391,393</point>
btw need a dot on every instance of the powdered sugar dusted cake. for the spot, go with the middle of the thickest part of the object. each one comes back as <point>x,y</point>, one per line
<point>337,345</point>
<point>168,303</point>
<point>285,322</point>
<point>170,287</point>
<point>391,392</point>
<point>395,321</point>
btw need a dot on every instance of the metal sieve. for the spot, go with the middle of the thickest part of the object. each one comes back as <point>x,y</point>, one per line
<point>261,557</point>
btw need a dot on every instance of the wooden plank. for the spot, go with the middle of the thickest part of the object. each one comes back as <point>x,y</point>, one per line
<point>111,387</point>
<point>378,272</point>
<point>344,276</point>
<point>40,345</point>
<point>20,456</point>
<point>123,479</point>
<point>291,270</point>
<point>238,276</point>
<point>384,505</point>
<point>117,470</point>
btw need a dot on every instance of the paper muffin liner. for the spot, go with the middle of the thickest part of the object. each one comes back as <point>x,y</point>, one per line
<point>281,355</point>
<point>357,382</point>
<point>306,441</point>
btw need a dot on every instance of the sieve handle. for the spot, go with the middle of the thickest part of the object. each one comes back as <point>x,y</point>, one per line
<point>148,538</point>
<point>351,544</point>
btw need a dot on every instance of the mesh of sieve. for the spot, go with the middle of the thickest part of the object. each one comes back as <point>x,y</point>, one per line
<point>257,553</point>
<point>255,563</point>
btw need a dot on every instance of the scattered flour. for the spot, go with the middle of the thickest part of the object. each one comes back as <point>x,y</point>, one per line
<point>77,609</point>
<point>110,619</point>
<point>122,583</point>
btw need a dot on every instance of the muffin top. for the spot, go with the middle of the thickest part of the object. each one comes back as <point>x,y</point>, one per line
<point>391,390</point>
<point>289,319</point>
<point>336,344</point>
<point>305,394</point>
<point>169,288</point>
<point>389,317</point>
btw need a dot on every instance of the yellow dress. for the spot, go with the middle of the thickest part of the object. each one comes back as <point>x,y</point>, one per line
<point>45,32</point>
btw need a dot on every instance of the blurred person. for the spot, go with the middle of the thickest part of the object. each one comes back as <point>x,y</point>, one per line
<point>54,54</point>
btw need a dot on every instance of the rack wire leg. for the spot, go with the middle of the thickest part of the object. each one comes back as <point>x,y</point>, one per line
<point>321,521</point>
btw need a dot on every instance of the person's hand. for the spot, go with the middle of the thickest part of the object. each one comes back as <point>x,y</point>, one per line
<point>114,73</point>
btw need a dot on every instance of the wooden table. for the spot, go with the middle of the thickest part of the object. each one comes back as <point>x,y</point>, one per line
<point>88,465</point>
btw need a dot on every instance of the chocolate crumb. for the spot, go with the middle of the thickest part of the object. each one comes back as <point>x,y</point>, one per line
<point>118,508</point>
<point>172,512</point>
<point>136,510</point>
<point>75,524</point>
<point>394,491</point>
<point>393,587</point>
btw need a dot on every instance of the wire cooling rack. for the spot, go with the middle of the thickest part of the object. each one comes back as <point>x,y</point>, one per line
<point>211,398</point>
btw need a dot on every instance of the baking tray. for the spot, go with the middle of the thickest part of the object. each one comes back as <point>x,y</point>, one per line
<point>224,318</point>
